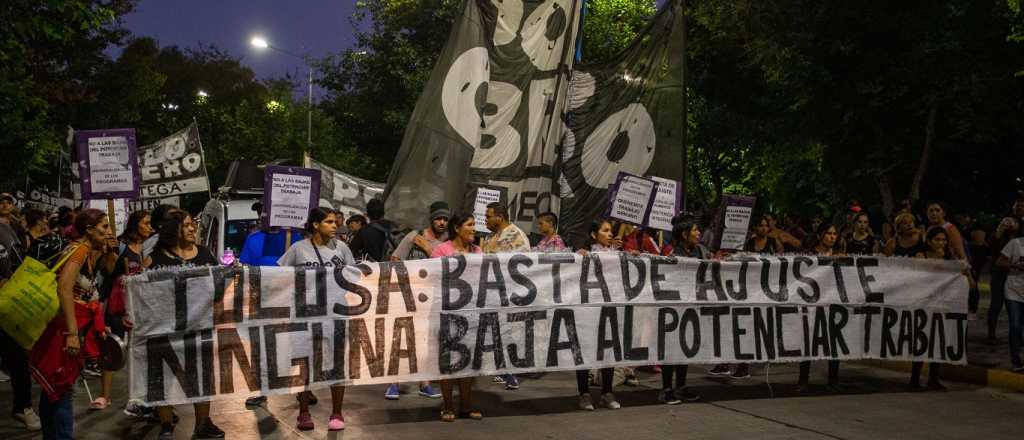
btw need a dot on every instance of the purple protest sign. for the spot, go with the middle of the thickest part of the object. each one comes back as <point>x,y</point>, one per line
<point>734,221</point>
<point>108,163</point>
<point>630,199</point>
<point>289,193</point>
<point>668,201</point>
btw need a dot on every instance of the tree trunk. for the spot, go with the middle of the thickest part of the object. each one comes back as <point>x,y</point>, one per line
<point>885,189</point>
<point>922,166</point>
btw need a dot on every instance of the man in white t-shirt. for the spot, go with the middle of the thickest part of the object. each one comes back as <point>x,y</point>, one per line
<point>1012,259</point>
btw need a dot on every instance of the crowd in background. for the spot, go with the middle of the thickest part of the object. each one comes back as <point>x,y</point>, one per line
<point>93,263</point>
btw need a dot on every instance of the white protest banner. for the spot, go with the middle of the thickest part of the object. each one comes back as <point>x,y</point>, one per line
<point>174,165</point>
<point>630,198</point>
<point>735,217</point>
<point>484,197</point>
<point>668,201</point>
<point>108,163</point>
<point>289,193</point>
<point>343,192</point>
<point>233,332</point>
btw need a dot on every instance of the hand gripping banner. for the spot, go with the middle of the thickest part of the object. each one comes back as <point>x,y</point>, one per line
<point>234,332</point>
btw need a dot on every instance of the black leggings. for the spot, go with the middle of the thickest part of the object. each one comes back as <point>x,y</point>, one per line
<point>833,372</point>
<point>666,376</point>
<point>998,297</point>
<point>15,360</point>
<point>583,380</point>
<point>915,373</point>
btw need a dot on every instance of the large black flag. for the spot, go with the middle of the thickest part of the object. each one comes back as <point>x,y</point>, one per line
<point>490,113</point>
<point>624,116</point>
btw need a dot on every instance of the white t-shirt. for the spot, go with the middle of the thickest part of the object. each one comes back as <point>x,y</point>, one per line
<point>302,253</point>
<point>1014,251</point>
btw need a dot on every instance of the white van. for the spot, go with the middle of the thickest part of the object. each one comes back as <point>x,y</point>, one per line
<point>229,218</point>
<point>226,223</point>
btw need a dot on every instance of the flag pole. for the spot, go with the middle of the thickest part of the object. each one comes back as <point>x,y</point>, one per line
<point>202,152</point>
<point>685,128</point>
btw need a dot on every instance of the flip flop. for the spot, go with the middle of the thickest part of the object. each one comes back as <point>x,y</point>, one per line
<point>447,415</point>
<point>472,414</point>
<point>100,403</point>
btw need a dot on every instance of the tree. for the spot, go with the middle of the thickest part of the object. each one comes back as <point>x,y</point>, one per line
<point>48,55</point>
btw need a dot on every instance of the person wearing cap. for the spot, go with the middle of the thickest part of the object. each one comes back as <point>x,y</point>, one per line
<point>418,245</point>
<point>7,203</point>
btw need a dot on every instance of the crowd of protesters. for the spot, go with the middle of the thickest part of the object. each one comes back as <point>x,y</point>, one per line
<point>93,264</point>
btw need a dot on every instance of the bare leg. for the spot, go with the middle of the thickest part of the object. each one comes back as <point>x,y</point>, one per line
<point>337,399</point>
<point>106,383</point>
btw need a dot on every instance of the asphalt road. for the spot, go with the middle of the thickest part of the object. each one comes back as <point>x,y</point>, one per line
<point>872,404</point>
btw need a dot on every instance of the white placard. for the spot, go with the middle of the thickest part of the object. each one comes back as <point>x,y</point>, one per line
<point>632,199</point>
<point>120,212</point>
<point>737,221</point>
<point>666,204</point>
<point>289,200</point>
<point>110,166</point>
<point>484,197</point>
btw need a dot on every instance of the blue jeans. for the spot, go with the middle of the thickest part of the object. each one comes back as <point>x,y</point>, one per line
<point>58,418</point>
<point>1016,312</point>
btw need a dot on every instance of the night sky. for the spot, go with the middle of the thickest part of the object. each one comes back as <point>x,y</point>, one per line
<point>314,27</point>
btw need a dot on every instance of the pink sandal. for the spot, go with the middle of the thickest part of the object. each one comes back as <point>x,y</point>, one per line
<point>99,404</point>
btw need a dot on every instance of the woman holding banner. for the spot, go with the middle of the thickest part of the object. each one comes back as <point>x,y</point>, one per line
<point>128,263</point>
<point>321,249</point>
<point>56,358</point>
<point>177,247</point>
<point>685,243</point>
<point>937,247</point>
<point>461,232</point>
<point>601,240</point>
<point>826,244</point>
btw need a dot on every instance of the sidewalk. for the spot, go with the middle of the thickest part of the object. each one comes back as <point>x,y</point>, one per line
<point>987,365</point>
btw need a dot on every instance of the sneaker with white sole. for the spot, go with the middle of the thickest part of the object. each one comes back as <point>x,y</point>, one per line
<point>586,404</point>
<point>608,401</point>
<point>720,370</point>
<point>668,397</point>
<point>392,393</point>
<point>429,391</point>
<point>29,418</point>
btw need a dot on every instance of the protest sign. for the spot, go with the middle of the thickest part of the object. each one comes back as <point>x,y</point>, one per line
<point>121,211</point>
<point>233,332</point>
<point>668,201</point>
<point>484,197</point>
<point>734,221</point>
<point>43,198</point>
<point>108,163</point>
<point>630,199</point>
<point>174,165</point>
<point>289,193</point>
<point>343,192</point>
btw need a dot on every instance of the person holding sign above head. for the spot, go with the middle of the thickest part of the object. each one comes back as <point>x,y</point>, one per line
<point>601,240</point>
<point>505,237</point>
<point>321,249</point>
<point>826,243</point>
<point>461,232</point>
<point>177,248</point>
<point>685,243</point>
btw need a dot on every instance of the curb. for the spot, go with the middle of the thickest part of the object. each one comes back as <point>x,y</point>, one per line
<point>961,373</point>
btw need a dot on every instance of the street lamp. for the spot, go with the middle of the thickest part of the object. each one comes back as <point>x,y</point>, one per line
<point>202,94</point>
<point>259,42</point>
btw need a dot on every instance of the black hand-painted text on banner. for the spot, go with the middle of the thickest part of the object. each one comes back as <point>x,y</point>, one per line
<point>213,333</point>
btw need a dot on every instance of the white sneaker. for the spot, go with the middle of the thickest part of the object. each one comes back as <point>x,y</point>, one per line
<point>585,403</point>
<point>608,400</point>
<point>30,419</point>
